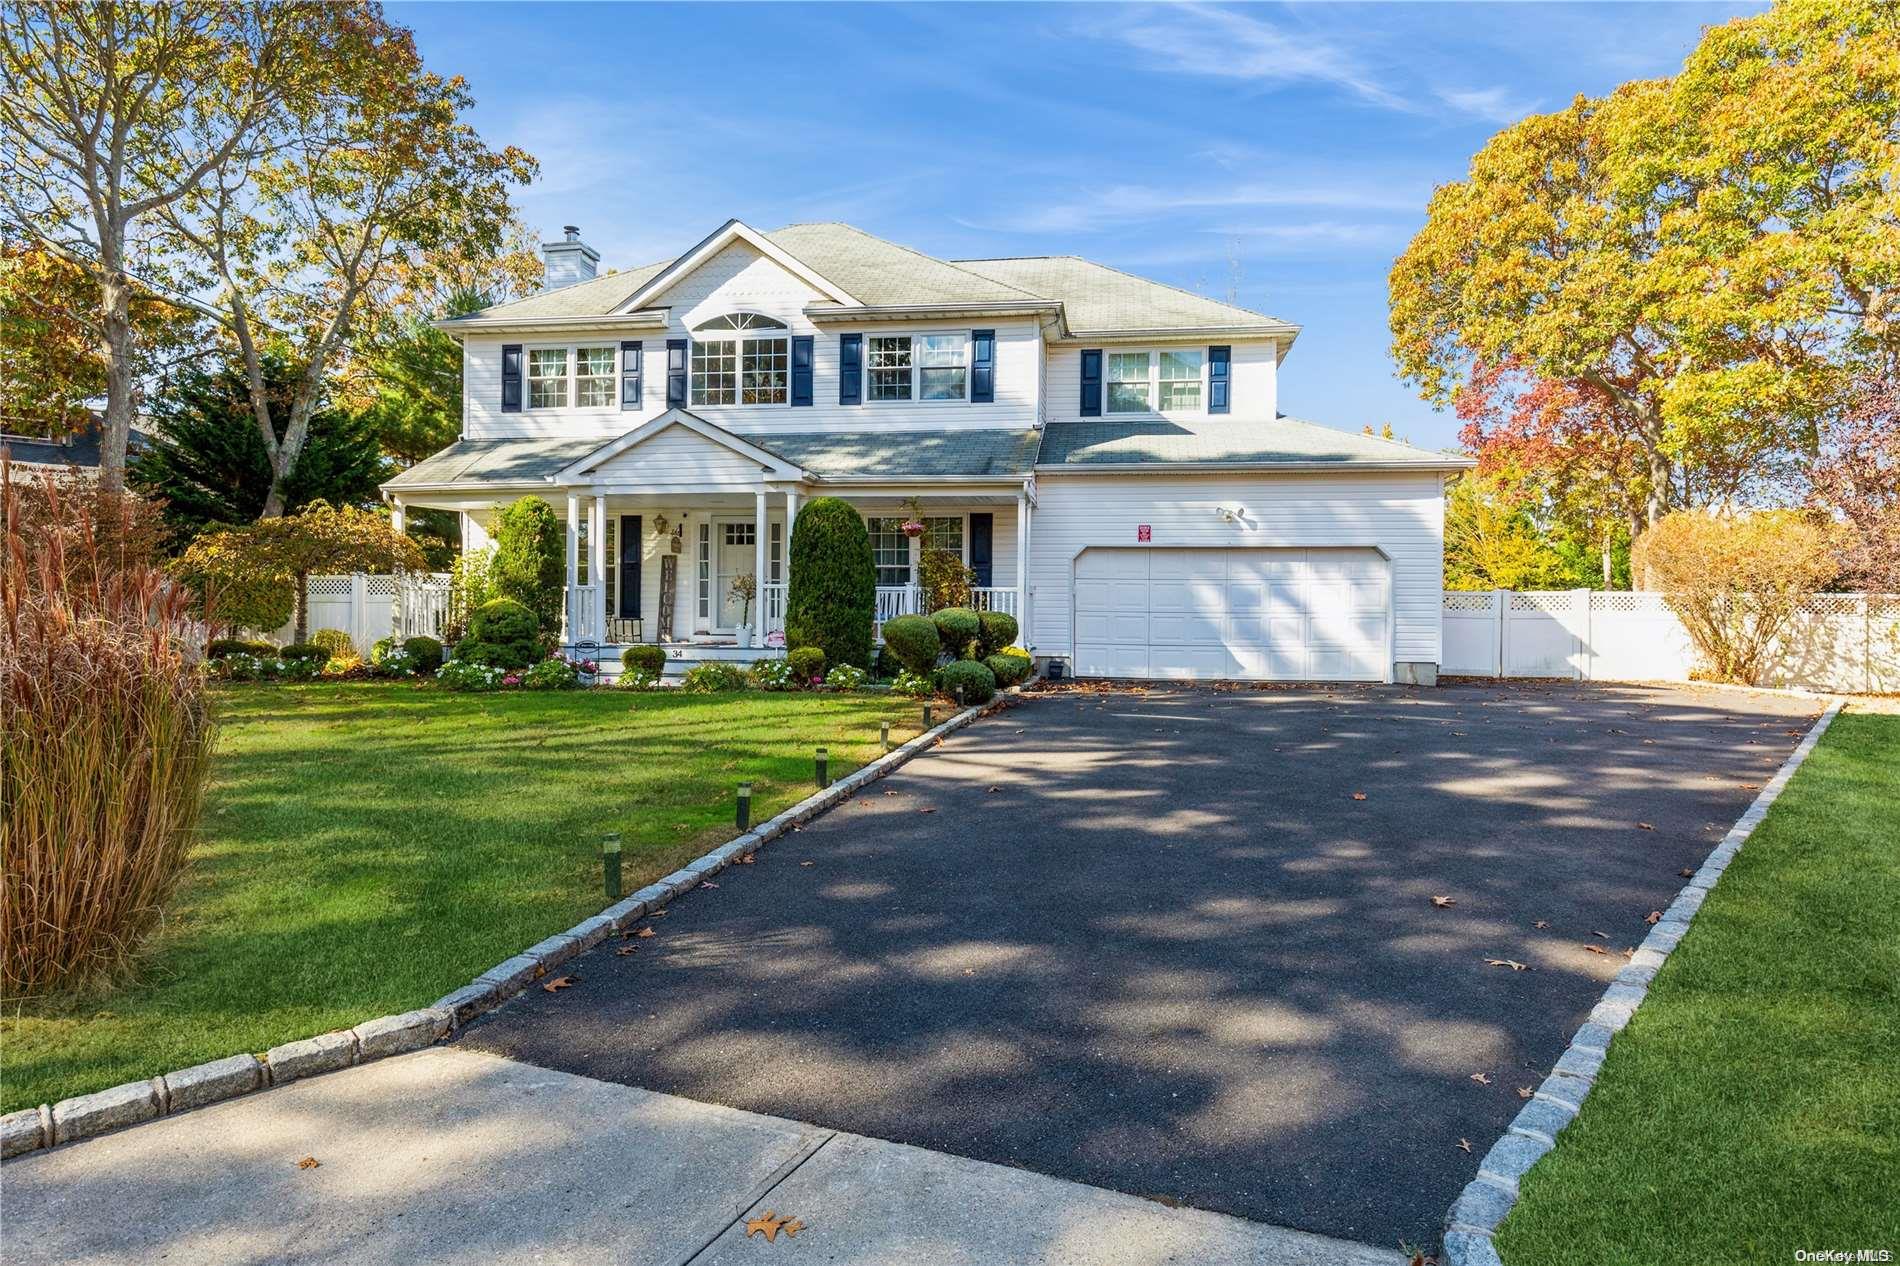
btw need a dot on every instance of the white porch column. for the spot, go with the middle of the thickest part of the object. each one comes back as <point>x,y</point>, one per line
<point>1022,567</point>
<point>759,573</point>
<point>916,606</point>
<point>573,564</point>
<point>791,518</point>
<point>597,564</point>
<point>397,524</point>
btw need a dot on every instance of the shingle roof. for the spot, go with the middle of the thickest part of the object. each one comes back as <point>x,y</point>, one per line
<point>878,273</point>
<point>1098,298</point>
<point>827,454</point>
<point>905,454</point>
<point>1157,442</point>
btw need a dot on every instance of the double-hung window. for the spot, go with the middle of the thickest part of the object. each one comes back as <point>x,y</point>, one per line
<point>917,367</point>
<point>547,378</point>
<point>1168,381</point>
<point>560,375</point>
<point>743,358</point>
<point>890,550</point>
<point>944,533</point>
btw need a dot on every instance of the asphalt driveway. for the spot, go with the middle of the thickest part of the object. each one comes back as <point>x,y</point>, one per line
<point>1181,943</point>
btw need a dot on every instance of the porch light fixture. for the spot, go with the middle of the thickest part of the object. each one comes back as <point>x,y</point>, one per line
<point>660,524</point>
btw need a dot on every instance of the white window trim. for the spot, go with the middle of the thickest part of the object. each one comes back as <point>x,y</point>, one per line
<point>573,351</point>
<point>963,537</point>
<point>1154,383</point>
<point>699,335</point>
<point>916,378</point>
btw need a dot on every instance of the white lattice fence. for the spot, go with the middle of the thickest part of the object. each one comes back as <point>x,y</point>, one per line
<point>1841,641</point>
<point>364,606</point>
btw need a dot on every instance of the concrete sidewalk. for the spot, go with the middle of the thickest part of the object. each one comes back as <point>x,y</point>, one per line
<point>449,1154</point>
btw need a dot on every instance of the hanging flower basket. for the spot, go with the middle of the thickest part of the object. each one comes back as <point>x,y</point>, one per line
<point>913,527</point>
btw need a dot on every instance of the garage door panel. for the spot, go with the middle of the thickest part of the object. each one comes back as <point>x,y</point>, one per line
<point>1274,614</point>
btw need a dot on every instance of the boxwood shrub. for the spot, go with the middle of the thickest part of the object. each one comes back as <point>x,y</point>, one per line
<point>644,658</point>
<point>424,652</point>
<point>219,647</point>
<point>1010,666</point>
<point>335,641</point>
<point>501,634</point>
<point>957,628</point>
<point>305,650</point>
<point>996,630</point>
<point>967,681</point>
<point>913,640</point>
<point>807,662</point>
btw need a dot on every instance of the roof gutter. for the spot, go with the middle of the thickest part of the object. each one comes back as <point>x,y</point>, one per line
<point>1183,332</point>
<point>650,320</point>
<point>827,313</point>
<point>1252,468</point>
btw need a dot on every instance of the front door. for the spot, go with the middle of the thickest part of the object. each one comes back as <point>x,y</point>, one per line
<point>735,554</point>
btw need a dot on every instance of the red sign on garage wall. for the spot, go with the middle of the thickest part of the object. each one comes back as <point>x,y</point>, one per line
<point>1143,532</point>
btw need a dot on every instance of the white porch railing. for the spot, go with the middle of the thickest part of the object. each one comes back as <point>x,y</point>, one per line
<point>773,596</point>
<point>422,604</point>
<point>893,601</point>
<point>996,599</point>
<point>583,614</point>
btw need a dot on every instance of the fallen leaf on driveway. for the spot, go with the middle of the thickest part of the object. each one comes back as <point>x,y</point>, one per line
<point>707,883</point>
<point>808,863</point>
<point>1481,1079</point>
<point>771,1224</point>
<point>1686,873</point>
<point>747,859</point>
<point>995,788</point>
<point>1525,1092</point>
<point>308,1162</point>
<point>1444,903</point>
<point>1644,826</point>
<point>1751,786</point>
<point>623,951</point>
<point>1595,949</point>
<point>644,932</point>
<point>1512,963</point>
<point>1653,917</point>
<point>1464,1145</point>
<point>926,810</point>
<point>1604,935</point>
<point>559,983</point>
<point>1541,923</point>
<point>1358,795</point>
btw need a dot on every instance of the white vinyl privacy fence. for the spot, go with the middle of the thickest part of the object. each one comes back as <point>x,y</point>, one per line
<point>366,606</point>
<point>1840,641</point>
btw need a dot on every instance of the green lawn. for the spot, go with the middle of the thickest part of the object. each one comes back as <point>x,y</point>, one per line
<point>366,848</point>
<point>1752,1108</point>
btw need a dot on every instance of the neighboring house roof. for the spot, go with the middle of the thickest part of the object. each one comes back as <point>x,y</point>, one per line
<point>80,449</point>
<point>1284,442</point>
<point>1103,300</point>
<point>1094,298</point>
<point>828,455</point>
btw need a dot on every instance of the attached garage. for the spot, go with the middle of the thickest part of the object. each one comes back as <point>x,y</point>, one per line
<point>1260,614</point>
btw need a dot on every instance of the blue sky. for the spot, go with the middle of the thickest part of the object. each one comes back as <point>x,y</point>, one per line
<point>1285,152</point>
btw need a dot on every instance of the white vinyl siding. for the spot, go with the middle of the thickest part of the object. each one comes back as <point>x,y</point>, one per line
<point>1253,370</point>
<point>679,457</point>
<point>738,279</point>
<point>1400,515</point>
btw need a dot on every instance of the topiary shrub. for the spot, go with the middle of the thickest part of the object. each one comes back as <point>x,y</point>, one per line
<point>713,678</point>
<point>335,641</point>
<point>305,650</point>
<point>774,674</point>
<point>832,598</point>
<point>808,664</point>
<point>644,658</point>
<point>966,681</point>
<point>219,647</point>
<point>1010,666</point>
<point>502,633</point>
<point>957,629</point>
<point>425,653</point>
<point>913,640</point>
<point>996,629</point>
<point>530,557</point>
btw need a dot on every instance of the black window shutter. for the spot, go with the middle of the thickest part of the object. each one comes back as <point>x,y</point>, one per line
<point>1219,379</point>
<point>675,373</point>
<point>982,366</point>
<point>850,368</point>
<point>630,375</point>
<point>632,544</point>
<point>801,369</point>
<point>511,378</point>
<point>982,534</point>
<point>1092,383</point>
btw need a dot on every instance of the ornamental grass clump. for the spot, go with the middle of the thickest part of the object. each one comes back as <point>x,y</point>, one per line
<point>108,737</point>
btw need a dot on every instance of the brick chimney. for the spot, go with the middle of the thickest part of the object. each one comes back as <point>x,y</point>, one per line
<point>568,261</point>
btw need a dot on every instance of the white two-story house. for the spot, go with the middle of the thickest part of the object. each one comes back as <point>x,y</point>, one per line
<point>1104,452</point>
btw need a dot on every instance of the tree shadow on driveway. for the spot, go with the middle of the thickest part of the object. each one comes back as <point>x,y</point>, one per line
<point>1182,943</point>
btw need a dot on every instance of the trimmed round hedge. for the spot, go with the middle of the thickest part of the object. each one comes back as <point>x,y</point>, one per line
<point>425,651</point>
<point>997,629</point>
<point>967,681</point>
<point>1010,666</point>
<point>913,640</point>
<point>501,634</point>
<point>957,628</point>
<point>305,650</point>
<point>219,647</point>
<point>832,597</point>
<point>645,658</point>
<point>806,662</point>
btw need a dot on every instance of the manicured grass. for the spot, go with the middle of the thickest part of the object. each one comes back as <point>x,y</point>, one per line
<point>368,847</point>
<point>1752,1108</point>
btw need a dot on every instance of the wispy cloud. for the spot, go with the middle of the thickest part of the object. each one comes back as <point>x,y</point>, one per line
<point>1214,42</point>
<point>1127,204</point>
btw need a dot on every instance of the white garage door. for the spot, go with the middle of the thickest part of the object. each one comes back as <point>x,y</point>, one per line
<point>1262,614</point>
